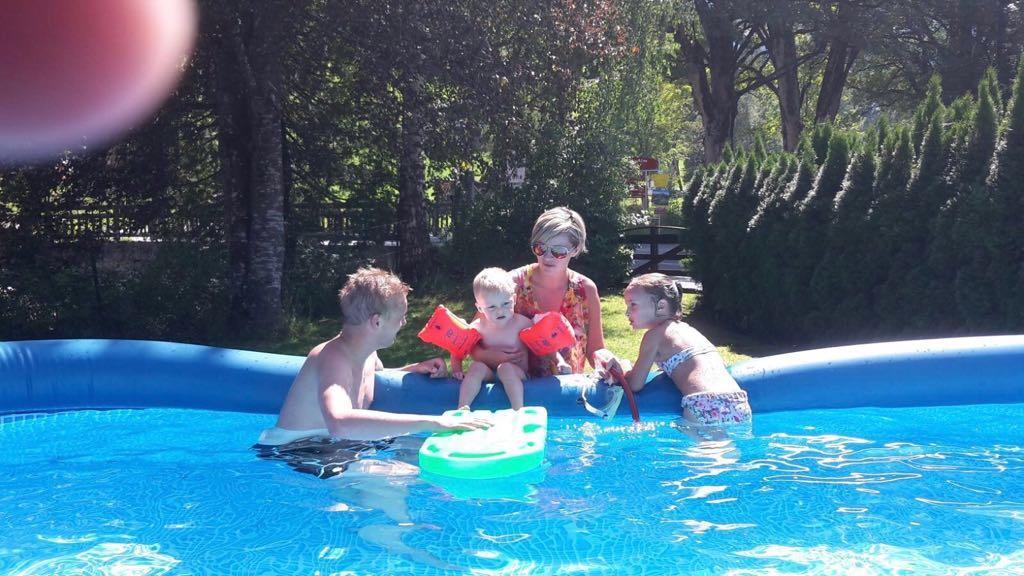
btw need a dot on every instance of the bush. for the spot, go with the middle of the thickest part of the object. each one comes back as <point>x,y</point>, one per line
<point>880,247</point>
<point>570,165</point>
<point>179,295</point>
<point>315,274</point>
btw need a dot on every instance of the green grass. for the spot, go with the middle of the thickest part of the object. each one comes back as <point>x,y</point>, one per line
<point>621,339</point>
<point>303,334</point>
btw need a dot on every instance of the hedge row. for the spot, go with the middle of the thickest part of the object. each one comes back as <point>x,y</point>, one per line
<point>908,229</point>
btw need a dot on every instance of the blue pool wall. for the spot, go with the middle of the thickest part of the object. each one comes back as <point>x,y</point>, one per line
<point>72,374</point>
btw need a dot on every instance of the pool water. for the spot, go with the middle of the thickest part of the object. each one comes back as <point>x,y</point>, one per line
<point>142,492</point>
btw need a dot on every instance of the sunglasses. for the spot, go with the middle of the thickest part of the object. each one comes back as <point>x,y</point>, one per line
<point>558,252</point>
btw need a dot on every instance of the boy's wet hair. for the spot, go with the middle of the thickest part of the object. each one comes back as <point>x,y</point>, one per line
<point>661,287</point>
<point>369,291</point>
<point>493,280</point>
<point>561,220</point>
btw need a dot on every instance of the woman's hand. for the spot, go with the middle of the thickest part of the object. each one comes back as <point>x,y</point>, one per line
<point>603,356</point>
<point>606,363</point>
<point>496,356</point>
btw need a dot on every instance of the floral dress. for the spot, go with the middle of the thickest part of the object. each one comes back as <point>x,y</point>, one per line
<point>574,308</point>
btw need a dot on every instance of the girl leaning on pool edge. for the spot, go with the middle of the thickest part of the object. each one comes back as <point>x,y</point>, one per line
<point>549,285</point>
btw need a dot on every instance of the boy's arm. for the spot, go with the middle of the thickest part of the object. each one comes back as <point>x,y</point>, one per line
<point>433,367</point>
<point>344,421</point>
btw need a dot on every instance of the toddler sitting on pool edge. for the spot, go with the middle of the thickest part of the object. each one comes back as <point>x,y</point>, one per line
<point>499,326</point>
<point>710,395</point>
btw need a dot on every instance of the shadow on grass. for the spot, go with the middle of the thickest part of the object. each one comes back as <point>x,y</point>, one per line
<point>740,344</point>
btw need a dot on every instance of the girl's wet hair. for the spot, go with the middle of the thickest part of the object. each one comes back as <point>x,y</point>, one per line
<point>661,287</point>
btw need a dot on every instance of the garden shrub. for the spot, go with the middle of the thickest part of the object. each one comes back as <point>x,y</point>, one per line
<point>919,232</point>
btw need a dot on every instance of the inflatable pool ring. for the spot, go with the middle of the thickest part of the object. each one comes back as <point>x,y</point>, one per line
<point>450,332</point>
<point>512,445</point>
<point>550,333</point>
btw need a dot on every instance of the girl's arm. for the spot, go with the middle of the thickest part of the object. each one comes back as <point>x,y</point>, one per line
<point>637,377</point>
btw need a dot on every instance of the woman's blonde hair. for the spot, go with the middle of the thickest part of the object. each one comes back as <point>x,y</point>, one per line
<point>561,220</point>
<point>369,291</point>
<point>661,287</point>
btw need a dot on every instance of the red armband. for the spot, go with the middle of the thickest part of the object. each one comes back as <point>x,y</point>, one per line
<point>551,333</point>
<point>450,332</point>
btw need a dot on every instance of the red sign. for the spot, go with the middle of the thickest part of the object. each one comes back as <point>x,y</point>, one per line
<point>638,192</point>
<point>646,163</point>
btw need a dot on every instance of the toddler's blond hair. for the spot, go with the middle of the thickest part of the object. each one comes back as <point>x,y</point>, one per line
<point>493,280</point>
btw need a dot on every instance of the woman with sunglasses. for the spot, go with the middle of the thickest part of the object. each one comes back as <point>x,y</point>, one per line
<point>550,286</point>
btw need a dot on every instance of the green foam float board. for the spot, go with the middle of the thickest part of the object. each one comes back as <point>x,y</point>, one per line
<point>513,444</point>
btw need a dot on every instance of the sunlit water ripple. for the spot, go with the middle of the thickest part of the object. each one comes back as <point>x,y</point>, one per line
<point>922,490</point>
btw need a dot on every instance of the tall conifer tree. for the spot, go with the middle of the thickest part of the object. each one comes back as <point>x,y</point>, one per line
<point>1006,186</point>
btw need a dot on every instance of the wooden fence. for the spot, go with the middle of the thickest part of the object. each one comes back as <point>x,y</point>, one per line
<point>660,249</point>
<point>113,225</point>
<point>331,221</point>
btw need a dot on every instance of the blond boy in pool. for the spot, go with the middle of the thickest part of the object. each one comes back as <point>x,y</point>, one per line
<point>332,394</point>
<point>331,397</point>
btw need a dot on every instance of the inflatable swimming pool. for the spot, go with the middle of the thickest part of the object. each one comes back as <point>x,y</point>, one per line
<point>69,374</point>
<point>869,484</point>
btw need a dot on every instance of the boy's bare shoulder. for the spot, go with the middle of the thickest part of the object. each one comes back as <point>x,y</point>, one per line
<point>333,365</point>
<point>316,350</point>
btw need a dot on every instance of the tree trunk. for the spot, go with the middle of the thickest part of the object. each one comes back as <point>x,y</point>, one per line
<point>842,53</point>
<point>718,131</point>
<point>781,44</point>
<point>711,73</point>
<point>463,196</point>
<point>266,226</point>
<point>413,239</point>
<point>232,134</point>
<point>961,69</point>
<point>248,76</point>
<point>841,56</point>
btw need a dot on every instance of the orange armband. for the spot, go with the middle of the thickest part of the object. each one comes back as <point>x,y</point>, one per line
<point>551,333</point>
<point>450,332</point>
